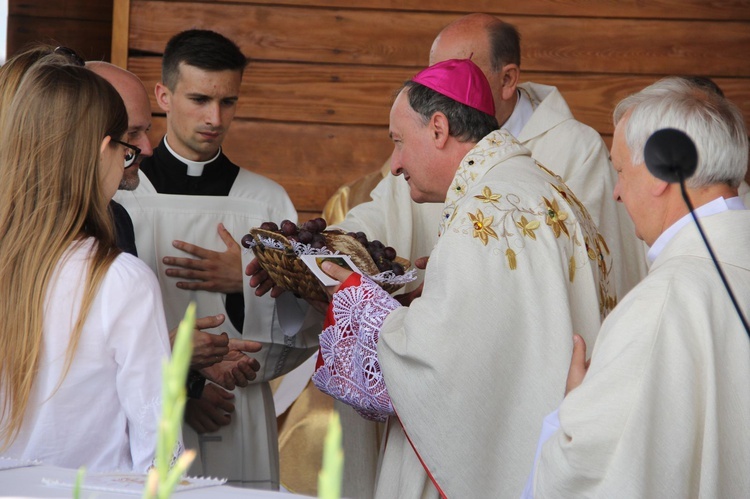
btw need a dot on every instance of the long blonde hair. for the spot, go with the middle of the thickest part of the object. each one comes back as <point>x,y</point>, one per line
<point>50,199</point>
<point>14,69</point>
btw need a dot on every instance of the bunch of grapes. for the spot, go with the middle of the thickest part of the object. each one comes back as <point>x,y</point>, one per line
<point>383,256</point>
<point>311,232</point>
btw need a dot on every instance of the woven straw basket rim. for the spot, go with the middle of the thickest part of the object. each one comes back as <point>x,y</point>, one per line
<point>291,273</point>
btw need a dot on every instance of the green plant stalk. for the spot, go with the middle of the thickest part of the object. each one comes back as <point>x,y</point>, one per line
<point>174,397</point>
<point>79,482</point>
<point>330,476</point>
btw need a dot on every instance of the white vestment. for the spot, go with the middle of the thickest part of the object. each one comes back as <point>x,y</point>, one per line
<point>569,148</point>
<point>475,363</point>
<point>247,449</point>
<point>664,410</point>
<point>104,413</point>
<point>572,150</point>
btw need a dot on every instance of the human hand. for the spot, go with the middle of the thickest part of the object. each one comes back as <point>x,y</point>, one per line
<point>405,299</point>
<point>337,272</point>
<point>210,270</point>
<point>207,348</point>
<point>236,369</point>
<point>261,281</point>
<point>211,411</point>
<point>578,365</point>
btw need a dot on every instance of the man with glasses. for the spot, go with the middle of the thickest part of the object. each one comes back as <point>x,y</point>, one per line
<point>188,189</point>
<point>134,96</point>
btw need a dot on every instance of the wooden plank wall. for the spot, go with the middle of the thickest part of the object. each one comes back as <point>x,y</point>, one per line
<point>83,25</point>
<point>313,113</point>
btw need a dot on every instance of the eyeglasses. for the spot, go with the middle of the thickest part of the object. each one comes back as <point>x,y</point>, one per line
<point>131,153</point>
<point>71,54</point>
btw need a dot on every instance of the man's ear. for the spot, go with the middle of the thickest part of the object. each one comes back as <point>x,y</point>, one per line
<point>163,96</point>
<point>509,75</point>
<point>440,129</point>
<point>105,143</point>
<point>658,186</point>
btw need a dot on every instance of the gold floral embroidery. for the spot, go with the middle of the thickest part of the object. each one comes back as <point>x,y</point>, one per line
<point>572,268</point>
<point>589,250</point>
<point>555,218</point>
<point>515,223</point>
<point>527,228</point>
<point>511,256</point>
<point>603,242</point>
<point>488,197</point>
<point>458,188</point>
<point>482,227</point>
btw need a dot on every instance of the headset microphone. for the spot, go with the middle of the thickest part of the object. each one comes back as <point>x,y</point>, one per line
<point>670,155</point>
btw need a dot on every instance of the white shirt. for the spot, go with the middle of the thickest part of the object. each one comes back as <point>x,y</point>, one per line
<point>521,115</point>
<point>718,205</point>
<point>104,414</point>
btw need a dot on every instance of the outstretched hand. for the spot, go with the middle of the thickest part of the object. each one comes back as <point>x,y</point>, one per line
<point>208,348</point>
<point>236,368</point>
<point>210,270</point>
<point>578,364</point>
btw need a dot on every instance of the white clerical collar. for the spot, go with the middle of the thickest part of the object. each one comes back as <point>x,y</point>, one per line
<point>718,205</point>
<point>520,116</point>
<point>194,168</point>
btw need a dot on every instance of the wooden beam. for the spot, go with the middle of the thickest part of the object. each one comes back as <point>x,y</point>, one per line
<point>120,28</point>
<point>327,36</point>
<point>362,95</point>
<point>655,9</point>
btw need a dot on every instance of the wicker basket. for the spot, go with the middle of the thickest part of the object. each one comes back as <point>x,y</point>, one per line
<point>291,273</point>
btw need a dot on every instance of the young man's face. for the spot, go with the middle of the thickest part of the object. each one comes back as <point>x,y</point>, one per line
<point>199,110</point>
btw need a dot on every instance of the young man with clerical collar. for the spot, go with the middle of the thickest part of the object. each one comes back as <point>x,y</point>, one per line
<point>189,188</point>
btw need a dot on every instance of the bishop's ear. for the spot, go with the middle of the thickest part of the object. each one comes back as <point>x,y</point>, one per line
<point>440,129</point>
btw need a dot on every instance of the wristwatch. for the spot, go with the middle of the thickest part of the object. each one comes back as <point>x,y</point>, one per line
<point>195,383</point>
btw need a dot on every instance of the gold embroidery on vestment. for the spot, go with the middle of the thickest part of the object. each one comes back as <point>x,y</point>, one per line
<point>511,256</point>
<point>527,228</point>
<point>488,197</point>
<point>482,226</point>
<point>555,217</point>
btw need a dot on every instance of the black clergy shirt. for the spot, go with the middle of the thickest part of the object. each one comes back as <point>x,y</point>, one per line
<point>169,176</point>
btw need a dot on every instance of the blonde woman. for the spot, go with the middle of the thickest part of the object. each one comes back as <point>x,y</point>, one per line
<point>82,329</point>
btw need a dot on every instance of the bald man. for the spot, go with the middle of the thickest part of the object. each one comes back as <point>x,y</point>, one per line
<point>134,95</point>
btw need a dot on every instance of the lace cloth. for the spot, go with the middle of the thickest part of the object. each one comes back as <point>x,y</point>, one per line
<point>348,367</point>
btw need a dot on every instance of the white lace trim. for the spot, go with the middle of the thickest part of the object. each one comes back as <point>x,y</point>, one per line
<point>387,277</point>
<point>350,370</point>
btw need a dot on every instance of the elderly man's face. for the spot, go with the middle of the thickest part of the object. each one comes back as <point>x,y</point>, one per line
<point>634,187</point>
<point>414,154</point>
<point>139,123</point>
